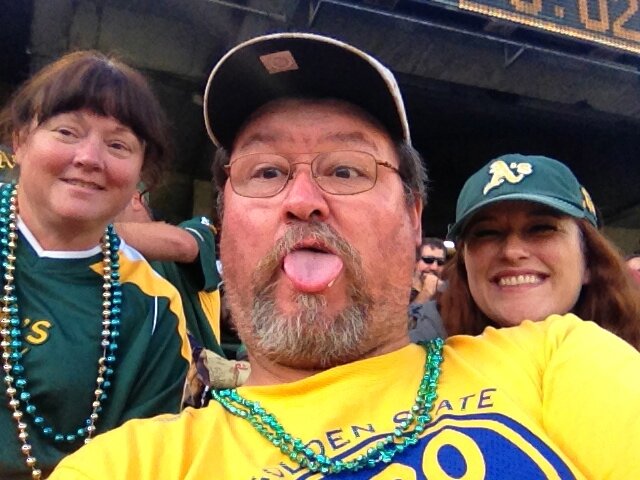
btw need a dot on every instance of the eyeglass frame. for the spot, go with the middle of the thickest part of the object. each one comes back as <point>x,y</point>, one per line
<point>429,260</point>
<point>227,169</point>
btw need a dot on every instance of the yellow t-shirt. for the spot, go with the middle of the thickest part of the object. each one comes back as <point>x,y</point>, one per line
<point>546,400</point>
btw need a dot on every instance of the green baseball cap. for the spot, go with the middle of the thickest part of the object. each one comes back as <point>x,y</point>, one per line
<point>532,178</point>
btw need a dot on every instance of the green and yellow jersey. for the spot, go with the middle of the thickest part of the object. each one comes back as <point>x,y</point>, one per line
<point>60,304</point>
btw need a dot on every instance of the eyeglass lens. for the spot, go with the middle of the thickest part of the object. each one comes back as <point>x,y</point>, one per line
<point>337,172</point>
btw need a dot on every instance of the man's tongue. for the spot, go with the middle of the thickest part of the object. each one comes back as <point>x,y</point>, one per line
<point>312,271</point>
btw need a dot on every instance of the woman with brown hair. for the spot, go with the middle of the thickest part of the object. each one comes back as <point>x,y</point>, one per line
<point>90,336</point>
<point>528,247</point>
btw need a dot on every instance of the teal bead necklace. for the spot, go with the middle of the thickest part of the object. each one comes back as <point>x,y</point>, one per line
<point>11,344</point>
<point>404,435</point>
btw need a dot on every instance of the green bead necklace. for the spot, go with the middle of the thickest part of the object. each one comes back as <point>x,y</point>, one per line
<point>404,435</point>
<point>11,336</point>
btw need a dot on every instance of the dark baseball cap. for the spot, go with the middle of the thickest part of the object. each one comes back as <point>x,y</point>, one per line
<point>531,178</point>
<point>302,65</point>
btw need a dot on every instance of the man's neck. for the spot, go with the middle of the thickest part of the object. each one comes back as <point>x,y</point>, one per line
<point>267,372</point>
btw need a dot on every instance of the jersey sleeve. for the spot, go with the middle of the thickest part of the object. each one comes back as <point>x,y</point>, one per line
<point>203,232</point>
<point>161,377</point>
<point>157,356</point>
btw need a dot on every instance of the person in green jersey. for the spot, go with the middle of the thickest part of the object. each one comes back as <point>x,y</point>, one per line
<point>90,335</point>
<point>185,255</point>
<point>320,221</point>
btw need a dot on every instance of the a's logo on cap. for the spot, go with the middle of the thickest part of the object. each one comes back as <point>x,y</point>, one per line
<point>279,62</point>
<point>587,202</point>
<point>512,173</point>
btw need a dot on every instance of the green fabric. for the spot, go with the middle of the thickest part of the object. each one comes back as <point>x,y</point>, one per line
<point>523,177</point>
<point>189,279</point>
<point>60,301</point>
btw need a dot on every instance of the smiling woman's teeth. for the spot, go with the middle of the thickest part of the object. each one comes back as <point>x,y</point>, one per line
<point>518,280</point>
<point>80,183</point>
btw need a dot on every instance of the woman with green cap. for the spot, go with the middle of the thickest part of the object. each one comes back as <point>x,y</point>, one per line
<point>528,246</point>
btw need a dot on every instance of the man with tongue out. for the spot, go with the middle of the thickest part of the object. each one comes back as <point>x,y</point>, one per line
<point>320,196</point>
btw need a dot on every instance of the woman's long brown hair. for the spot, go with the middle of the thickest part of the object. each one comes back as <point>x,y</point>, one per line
<point>611,298</point>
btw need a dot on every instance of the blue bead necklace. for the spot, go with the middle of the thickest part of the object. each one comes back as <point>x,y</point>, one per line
<point>404,435</point>
<point>11,344</point>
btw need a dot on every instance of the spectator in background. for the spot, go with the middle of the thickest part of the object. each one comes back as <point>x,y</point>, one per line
<point>429,265</point>
<point>425,322</point>
<point>633,262</point>
<point>185,255</point>
<point>528,247</point>
<point>91,336</point>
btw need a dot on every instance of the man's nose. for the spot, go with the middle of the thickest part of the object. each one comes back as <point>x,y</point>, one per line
<point>303,198</point>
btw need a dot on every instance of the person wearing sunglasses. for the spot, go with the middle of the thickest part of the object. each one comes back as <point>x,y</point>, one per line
<point>429,266</point>
<point>425,322</point>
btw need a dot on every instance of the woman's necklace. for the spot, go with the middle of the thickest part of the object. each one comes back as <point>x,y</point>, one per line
<point>11,345</point>
<point>403,436</point>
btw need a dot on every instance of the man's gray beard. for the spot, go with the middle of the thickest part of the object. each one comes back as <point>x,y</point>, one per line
<point>308,338</point>
<point>311,338</point>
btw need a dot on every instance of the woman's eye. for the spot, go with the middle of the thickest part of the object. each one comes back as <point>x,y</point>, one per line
<point>484,233</point>
<point>542,228</point>
<point>65,132</point>
<point>119,146</point>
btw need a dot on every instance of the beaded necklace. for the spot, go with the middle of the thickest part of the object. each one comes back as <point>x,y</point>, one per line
<point>403,436</point>
<point>11,334</point>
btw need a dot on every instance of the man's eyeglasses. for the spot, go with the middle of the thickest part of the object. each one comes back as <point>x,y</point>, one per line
<point>344,172</point>
<point>430,260</point>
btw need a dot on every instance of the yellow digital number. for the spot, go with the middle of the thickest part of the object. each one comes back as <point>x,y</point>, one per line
<point>618,26</point>
<point>532,7</point>
<point>601,25</point>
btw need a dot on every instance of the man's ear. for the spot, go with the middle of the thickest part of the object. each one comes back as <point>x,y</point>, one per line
<point>415,215</point>
<point>136,203</point>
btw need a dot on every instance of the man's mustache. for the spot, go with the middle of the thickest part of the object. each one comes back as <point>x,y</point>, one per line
<point>315,231</point>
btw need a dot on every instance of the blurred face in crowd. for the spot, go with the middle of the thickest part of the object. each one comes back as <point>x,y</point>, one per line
<point>308,273</point>
<point>634,264</point>
<point>431,260</point>
<point>523,261</point>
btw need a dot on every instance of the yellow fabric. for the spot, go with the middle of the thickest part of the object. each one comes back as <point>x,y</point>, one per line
<point>210,302</point>
<point>553,399</point>
<point>153,285</point>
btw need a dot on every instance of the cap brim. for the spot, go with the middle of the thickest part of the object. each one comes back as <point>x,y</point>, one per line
<point>555,203</point>
<point>308,65</point>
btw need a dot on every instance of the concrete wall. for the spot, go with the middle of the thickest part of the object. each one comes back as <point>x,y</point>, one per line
<point>627,239</point>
